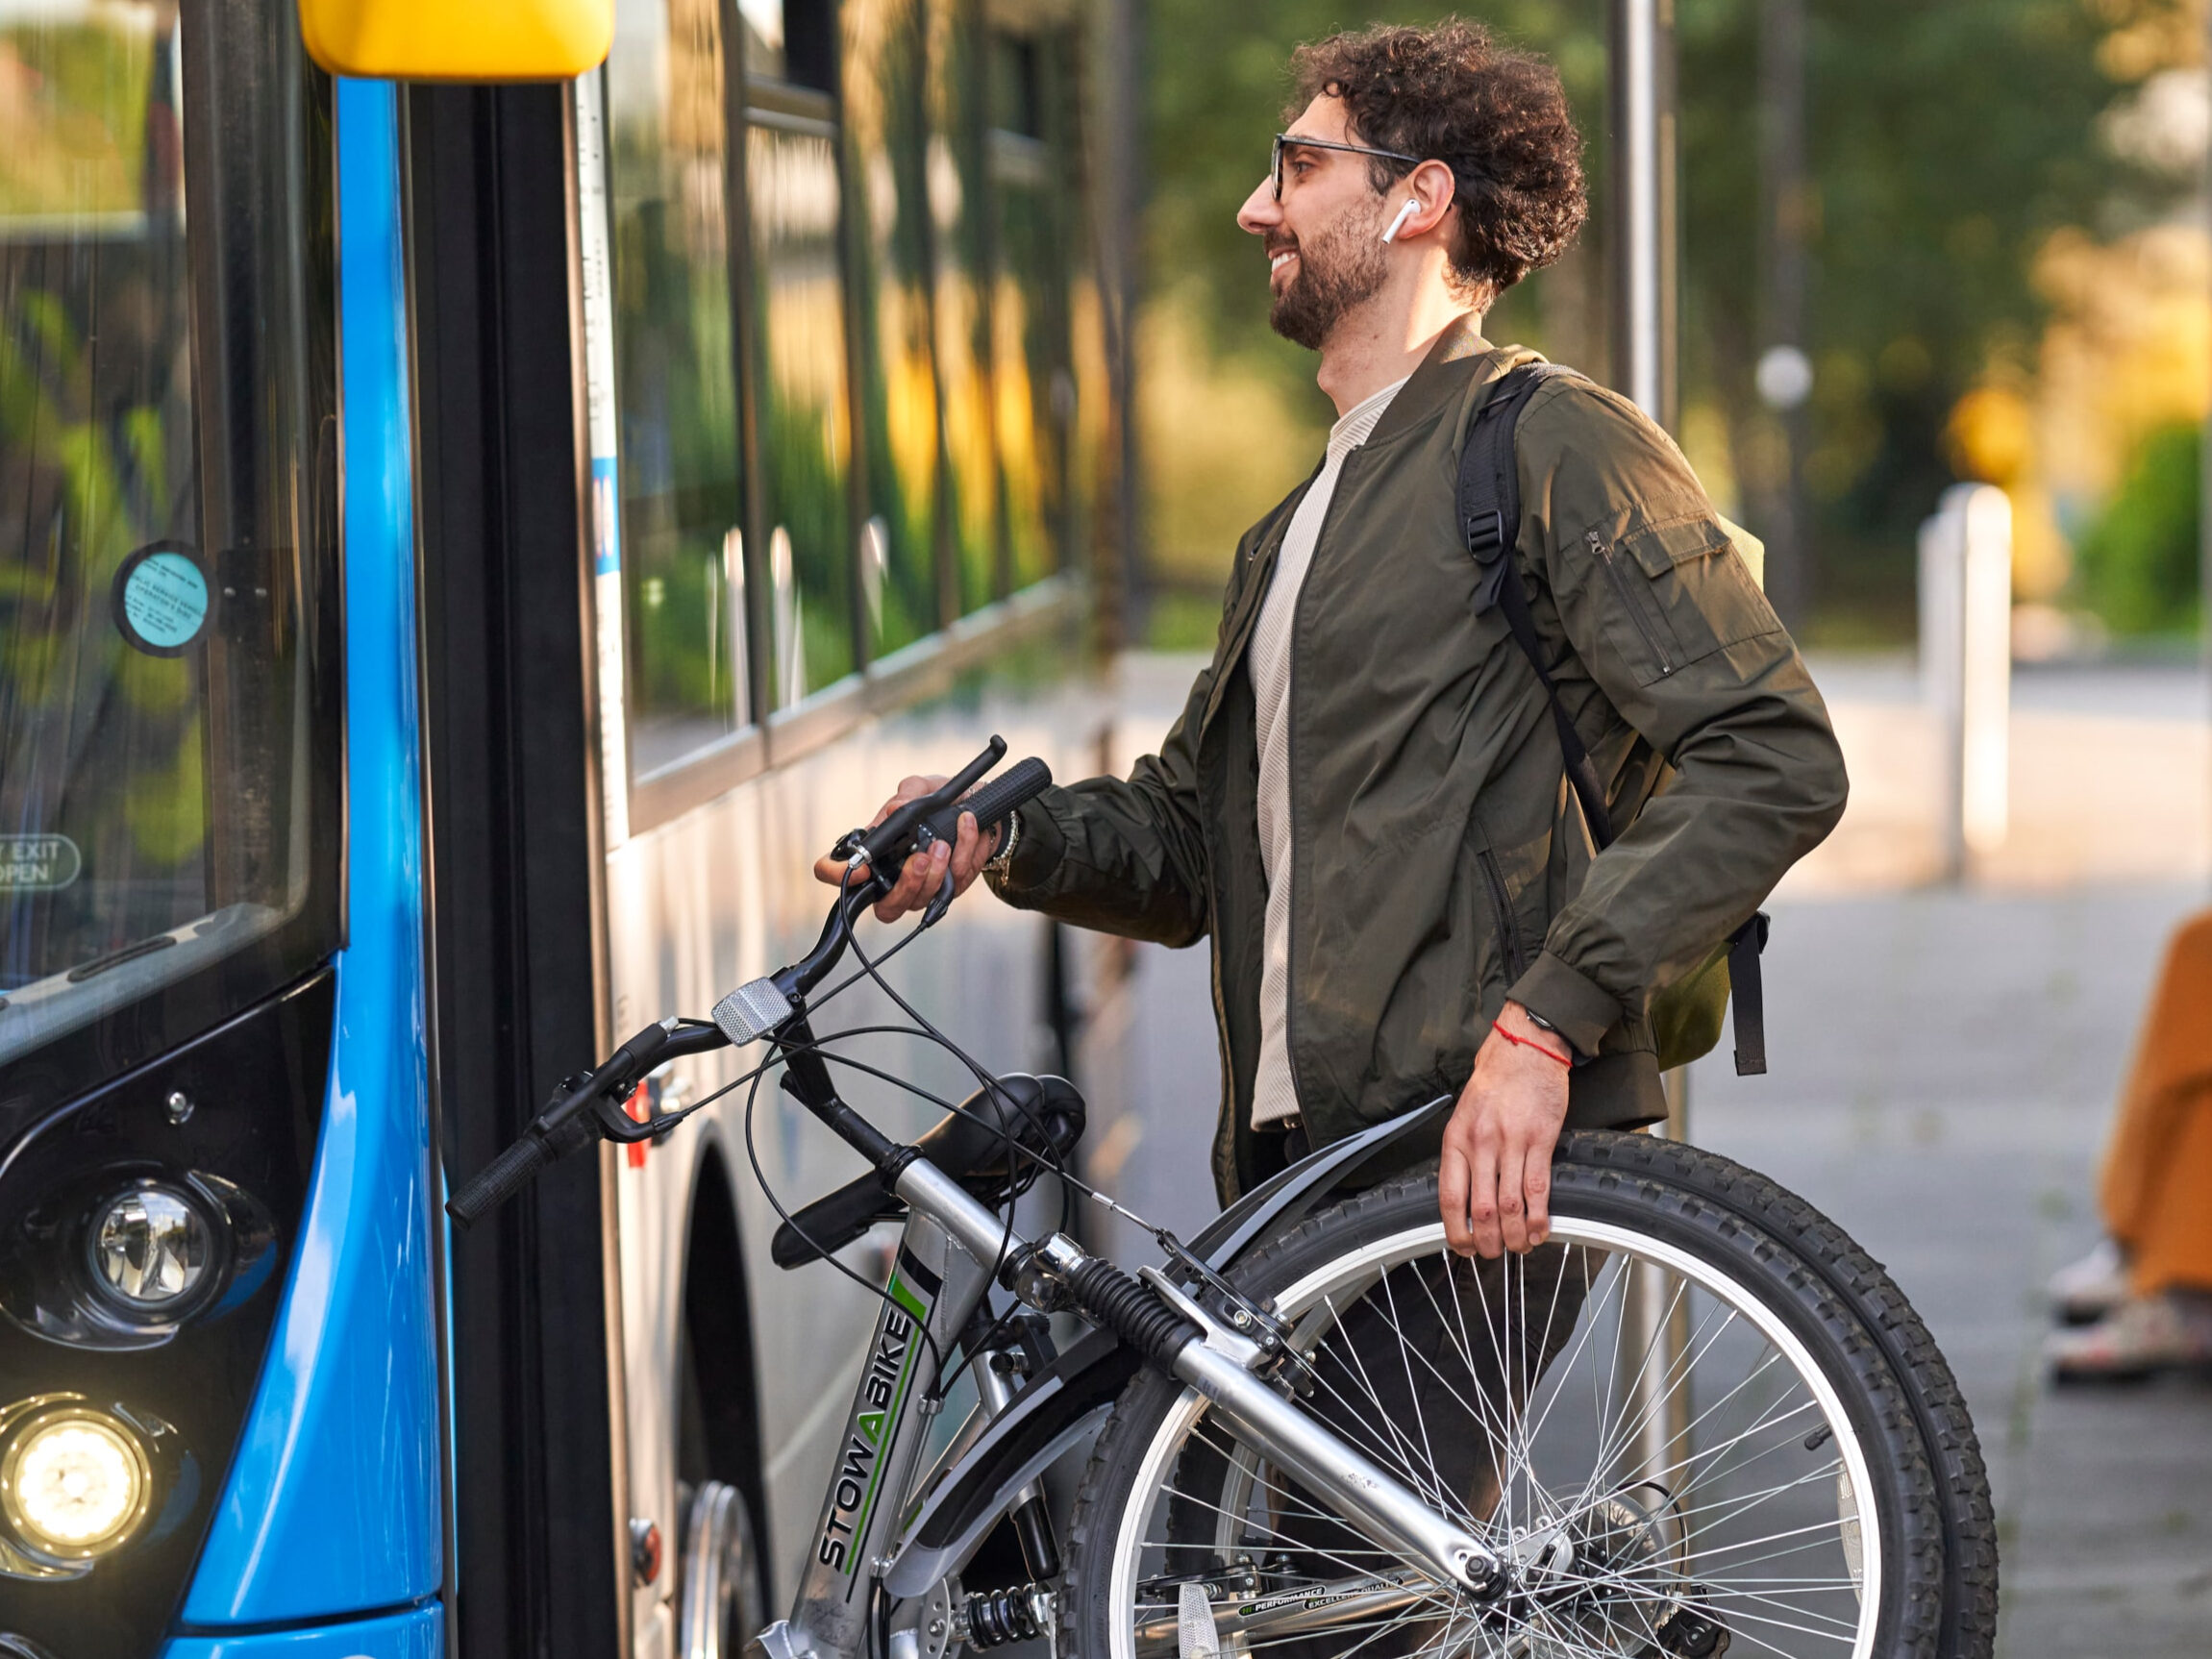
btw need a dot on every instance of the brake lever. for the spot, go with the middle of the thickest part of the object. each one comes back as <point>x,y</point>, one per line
<point>617,1123</point>
<point>942,902</point>
<point>605,1090</point>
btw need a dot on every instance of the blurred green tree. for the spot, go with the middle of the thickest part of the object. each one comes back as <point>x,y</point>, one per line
<point>1947,143</point>
<point>2138,562</point>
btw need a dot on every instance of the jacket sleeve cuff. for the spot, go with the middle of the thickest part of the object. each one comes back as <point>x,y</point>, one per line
<point>1580,1009</point>
<point>1036,856</point>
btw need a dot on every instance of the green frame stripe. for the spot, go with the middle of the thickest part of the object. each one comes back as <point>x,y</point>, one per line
<point>893,1416</point>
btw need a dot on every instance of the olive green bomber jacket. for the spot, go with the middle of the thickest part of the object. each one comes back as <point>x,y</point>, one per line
<point>1439,860</point>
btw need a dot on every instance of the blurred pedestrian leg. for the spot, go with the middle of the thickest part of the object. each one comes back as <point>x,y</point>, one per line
<point>2156,1191</point>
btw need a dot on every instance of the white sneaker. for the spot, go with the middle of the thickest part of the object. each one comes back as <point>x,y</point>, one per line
<point>2085,1291</point>
<point>2141,1337</point>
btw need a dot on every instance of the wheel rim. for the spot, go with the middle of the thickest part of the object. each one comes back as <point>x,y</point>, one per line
<point>721,1582</point>
<point>1624,1491</point>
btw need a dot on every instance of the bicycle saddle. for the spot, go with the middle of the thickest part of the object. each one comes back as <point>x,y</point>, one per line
<point>1043,1114</point>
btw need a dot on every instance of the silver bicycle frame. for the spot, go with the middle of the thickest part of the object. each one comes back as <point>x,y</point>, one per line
<point>942,1273</point>
<point>933,1288</point>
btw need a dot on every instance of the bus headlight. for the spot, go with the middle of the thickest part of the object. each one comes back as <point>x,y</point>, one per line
<point>74,1482</point>
<point>152,1250</point>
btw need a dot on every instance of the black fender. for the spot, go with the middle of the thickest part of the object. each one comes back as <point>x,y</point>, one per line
<point>1286,1196</point>
<point>1071,1397</point>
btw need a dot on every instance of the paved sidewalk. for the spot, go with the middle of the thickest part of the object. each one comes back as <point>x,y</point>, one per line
<point>1945,1062</point>
<point>1945,1065</point>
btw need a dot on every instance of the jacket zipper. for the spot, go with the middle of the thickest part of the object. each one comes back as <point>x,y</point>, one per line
<point>1271,548</point>
<point>1604,552</point>
<point>1220,1020</point>
<point>1501,910</point>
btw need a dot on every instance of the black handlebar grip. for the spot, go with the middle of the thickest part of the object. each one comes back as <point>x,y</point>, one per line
<point>995,802</point>
<point>499,1180</point>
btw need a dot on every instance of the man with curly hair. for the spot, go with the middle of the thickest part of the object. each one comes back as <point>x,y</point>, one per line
<point>1363,806</point>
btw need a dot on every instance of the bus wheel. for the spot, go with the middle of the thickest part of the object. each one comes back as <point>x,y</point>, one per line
<point>720,1608</point>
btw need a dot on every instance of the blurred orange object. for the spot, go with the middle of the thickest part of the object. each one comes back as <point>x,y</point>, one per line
<point>2156,1192</point>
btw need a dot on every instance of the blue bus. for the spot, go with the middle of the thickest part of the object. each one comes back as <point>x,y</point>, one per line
<point>462,548</point>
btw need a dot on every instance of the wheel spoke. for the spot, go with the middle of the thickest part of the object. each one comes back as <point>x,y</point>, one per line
<point>1672,1476</point>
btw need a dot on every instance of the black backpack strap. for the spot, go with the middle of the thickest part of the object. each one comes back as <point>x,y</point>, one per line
<point>1750,992</point>
<point>1490,518</point>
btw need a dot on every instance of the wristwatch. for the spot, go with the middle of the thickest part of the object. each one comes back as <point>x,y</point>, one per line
<point>1543,1025</point>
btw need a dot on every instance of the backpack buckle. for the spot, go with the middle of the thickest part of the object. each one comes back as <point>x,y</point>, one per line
<point>1487,535</point>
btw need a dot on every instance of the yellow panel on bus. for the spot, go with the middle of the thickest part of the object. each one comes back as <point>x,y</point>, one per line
<point>438,41</point>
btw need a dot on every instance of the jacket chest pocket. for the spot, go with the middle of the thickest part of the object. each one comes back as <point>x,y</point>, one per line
<point>1681,591</point>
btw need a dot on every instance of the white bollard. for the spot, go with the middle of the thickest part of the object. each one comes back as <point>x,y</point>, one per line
<point>1966,663</point>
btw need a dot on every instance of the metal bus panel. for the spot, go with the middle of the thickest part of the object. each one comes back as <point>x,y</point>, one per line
<point>724,893</point>
<point>333,1503</point>
<point>716,807</point>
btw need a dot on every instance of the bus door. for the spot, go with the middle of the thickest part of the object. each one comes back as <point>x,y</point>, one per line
<point>218,1409</point>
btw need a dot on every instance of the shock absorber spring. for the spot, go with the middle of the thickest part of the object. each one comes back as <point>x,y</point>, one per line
<point>1127,1308</point>
<point>998,1617</point>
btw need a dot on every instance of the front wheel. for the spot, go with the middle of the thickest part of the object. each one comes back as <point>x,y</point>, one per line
<point>1699,1420</point>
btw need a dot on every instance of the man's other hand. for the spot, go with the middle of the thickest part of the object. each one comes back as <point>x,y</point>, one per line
<point>918,883</point>
<point>1494,1178</point>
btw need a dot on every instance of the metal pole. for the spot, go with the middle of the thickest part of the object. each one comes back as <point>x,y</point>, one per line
<point>1641,169</point>
<point>1641,166</point>
<point>1784,374</point>
<point>1118,187</point>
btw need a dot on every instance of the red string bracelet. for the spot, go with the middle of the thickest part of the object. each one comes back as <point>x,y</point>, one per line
<point>1531,1043</point>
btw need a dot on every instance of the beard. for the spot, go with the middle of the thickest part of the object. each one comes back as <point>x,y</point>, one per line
<point>1339,269</point>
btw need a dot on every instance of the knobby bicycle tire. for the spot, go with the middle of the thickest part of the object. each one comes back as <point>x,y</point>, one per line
<point>1735,1236</point>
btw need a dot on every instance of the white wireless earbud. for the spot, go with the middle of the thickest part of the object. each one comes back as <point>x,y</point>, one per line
<point>1399,223</point>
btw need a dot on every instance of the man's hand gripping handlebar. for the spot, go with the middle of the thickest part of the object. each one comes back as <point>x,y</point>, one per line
<point>592,1106</point>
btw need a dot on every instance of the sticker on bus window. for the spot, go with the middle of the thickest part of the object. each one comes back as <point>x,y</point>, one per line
<point>38,863</point>
<point>162,599</point>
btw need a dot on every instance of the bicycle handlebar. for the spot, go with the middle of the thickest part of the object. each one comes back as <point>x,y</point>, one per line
<point>896,833</point>
<point>584,1109</point>
<point>924,820</point>
<point>590,1107</point>
<point>500,1179</point>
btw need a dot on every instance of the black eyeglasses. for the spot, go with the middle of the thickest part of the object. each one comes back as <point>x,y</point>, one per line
<point>1291,142</point>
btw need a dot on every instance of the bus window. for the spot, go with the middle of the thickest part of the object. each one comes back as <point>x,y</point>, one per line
<point>683,548</point>
<point>886,132</point>
<point>794,200</point>
<point>1033,390</point>
<point>791,41</point>
<point>167,815</point>
<point>959,208</point>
